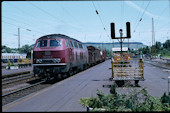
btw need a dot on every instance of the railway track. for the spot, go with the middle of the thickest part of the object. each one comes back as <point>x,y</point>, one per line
<point>18,78</point>
<point>16,94</point>
<point>36,85</point>
<point>19,93</point>
<point>159,64</point>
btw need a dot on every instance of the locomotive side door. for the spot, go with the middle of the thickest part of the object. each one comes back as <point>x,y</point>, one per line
<point>71,52</point>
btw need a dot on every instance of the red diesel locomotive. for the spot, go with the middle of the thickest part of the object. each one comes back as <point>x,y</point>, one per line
<point>57,55</point>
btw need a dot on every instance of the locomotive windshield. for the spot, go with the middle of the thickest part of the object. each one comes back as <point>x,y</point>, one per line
<point>55,43</point>
<point>42,43</point>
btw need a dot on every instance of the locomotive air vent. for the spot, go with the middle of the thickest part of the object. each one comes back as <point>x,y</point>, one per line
<point>45,61</point>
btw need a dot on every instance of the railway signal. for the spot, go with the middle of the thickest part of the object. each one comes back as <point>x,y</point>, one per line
<point>121,63</point>
<point>127,31</point>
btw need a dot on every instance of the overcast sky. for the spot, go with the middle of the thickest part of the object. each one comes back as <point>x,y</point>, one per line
<point>79,20</point>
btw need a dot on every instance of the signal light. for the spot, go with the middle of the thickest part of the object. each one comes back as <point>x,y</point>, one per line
<point>112,30</point>
<point>128,29</point>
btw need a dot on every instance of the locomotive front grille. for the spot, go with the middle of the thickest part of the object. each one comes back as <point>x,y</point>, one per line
<point>48,61</point>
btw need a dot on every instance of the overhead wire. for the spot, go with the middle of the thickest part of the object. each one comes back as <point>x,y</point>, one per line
<point>14,20</point>
<point>53,16</point>
<point>160,15</point>
<point>141,17</point>
<point>100,19</point>
<point>20,22</point>
<point>24,12</point>
<point>47,12</point>
<point>103,20</point>
<point>64,9</point>
<point>75,19</point>
<point>30,15</point>
<point>97,12</point>
<point>21,27</point>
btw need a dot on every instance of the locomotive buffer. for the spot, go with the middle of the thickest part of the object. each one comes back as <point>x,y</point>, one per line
<point>124,70</point>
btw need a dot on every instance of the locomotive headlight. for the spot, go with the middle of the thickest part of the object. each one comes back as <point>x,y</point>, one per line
<point>39,61</point>
<point>58,60</point>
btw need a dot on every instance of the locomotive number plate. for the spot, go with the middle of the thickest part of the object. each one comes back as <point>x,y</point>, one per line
<point>47,53</point>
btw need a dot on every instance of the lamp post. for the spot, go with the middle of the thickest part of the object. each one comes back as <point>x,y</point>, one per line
<point>19,38</point>
<point>121,34</point>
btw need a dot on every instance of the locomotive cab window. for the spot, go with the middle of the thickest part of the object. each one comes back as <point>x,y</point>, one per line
<point>71,44</point>
<point>75,44</point>
<point>41,43</point>
<point>55,43</point>
<point>80,46</point>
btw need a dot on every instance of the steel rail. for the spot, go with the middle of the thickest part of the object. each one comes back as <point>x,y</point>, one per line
<point>15,79</point>
<point>27,87</point>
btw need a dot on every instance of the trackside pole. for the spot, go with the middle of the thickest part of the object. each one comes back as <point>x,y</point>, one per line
<point>141,67</point>
<point>168,85</point>
<point>112,70</point>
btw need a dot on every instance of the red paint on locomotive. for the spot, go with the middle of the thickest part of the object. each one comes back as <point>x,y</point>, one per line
<point>57,53</point>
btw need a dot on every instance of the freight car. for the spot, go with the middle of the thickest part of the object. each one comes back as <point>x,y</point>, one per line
<point>103,55</point>
<point>95,55</point>
<point>58,55</point>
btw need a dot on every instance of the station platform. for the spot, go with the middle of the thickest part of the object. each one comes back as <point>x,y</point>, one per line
<point>64,95</point>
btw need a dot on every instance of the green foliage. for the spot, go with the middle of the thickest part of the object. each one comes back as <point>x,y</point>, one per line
<point>165,52</point>
<point>133,101</point>
<point>167,44</point>
<point>165,99</point>
<point>158,46</point>
<point>5,49</point>
<point>26,49</point>
<point>23,49</point>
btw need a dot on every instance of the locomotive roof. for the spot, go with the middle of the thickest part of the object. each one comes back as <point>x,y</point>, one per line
<point>57,36</point>
<point>92,47</point>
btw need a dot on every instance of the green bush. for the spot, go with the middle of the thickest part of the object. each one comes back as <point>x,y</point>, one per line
<point>134,101</point>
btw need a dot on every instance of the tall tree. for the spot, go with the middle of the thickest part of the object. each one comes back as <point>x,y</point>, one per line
<point>158,46</point>
<point>167,44</point>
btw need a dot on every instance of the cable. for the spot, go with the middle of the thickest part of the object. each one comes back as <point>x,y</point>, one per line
<point>30,15</point>
<point>53,16</point>
<point>100,19</point>
<point>161,15</point>
<point>16,21</point>
<point>20,27</point>
<point>8,33</point>
<point>47,13</point>
<point>122,12</point>
<point>141,16</point>
<point>65,10</point>
<point>70,15</point>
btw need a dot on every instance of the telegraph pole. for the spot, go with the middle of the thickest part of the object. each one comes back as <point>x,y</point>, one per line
<point>153,36</point>
<point>18,40</point>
